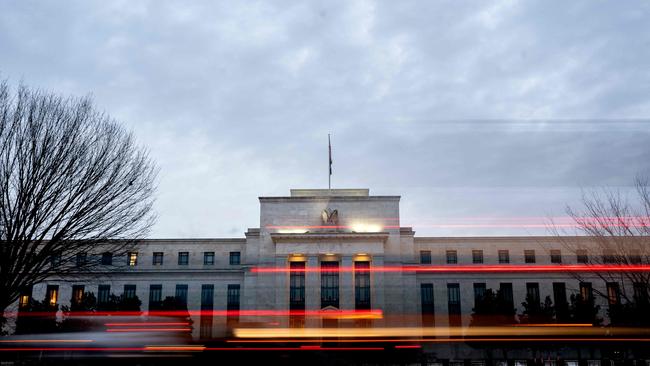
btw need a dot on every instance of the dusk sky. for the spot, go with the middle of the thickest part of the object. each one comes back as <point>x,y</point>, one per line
<point>484,116</point>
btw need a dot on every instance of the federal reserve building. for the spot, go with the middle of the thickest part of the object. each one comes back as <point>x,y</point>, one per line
<point>338,266</point>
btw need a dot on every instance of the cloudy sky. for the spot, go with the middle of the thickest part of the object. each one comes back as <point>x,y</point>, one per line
<point>481,115</point>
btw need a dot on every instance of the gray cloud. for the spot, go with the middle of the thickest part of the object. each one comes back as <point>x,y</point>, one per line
<point>466,109</point>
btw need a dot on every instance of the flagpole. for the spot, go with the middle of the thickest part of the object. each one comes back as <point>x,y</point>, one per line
<point>329,177</point>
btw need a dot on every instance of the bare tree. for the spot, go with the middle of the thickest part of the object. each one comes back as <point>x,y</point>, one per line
<point>73,185</point>
<point>613,229</point>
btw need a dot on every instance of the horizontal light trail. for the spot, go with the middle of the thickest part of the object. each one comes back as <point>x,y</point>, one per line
<point>443,332</point>
<point>406,346</point>
<point>339,314</point>
<point>182,349</point>
<point>140,330</point>
<point>46,341</point>
<point>557,268</point>
<point>140,324</point>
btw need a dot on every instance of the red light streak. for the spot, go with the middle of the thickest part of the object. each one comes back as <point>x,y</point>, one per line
<point>218,313</point>
<point>407,346</point>
<point>145,323</point>
<point>137,330</point>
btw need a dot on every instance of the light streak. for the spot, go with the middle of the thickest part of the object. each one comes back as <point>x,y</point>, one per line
<point>145,323</point>
<point>138,330</point>
<point>46,341</point>
<point>341,314</point>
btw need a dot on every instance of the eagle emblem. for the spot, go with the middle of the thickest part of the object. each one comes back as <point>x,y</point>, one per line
<point>330,217</point>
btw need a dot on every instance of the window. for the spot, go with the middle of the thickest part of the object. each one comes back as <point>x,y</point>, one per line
<point>296,285</point>
<point>107,259</point>
<point>52,294</point>
<point>556,256</point>
<point>133,259</point>
<point>609,257</point>
<point>25,295</point>
<point>452,257</point>
<point>77,296</point>
<point>181,294</point>
<point>233,297</point>
<point>479,292</point>
<point>235,258</point>
<point>362,285</point>
<point>103,293</point>
<point>477,256</point>
<point>157,258</point>
<point>640,292</point>
<point>505,292</point>
<point>207,297</point>
<point>183,258</point>
<point>155,296</point>
<point>81,259</point>
<point>504,257</point>
<point>585,291</point>
<point>532,293</point>
<point>635,257</point>
<point>329,284</point>
<point>425,257</point>
<point>129,291</point>
<point>426,298</point>
<point>55,260</point>
<point>559,299</point>
<point>613,293</point>
<point>208,258</point>
<point>453,303</point>
<point>529,256</point>
<point>581,256</point>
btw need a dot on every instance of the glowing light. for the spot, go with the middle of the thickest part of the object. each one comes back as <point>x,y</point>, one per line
<point>292,231</point>
<point>365,228</point>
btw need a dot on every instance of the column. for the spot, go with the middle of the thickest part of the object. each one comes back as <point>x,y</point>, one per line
<point>312,289</point>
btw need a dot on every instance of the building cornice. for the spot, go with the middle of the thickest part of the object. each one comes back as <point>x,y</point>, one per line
<point>290,238</point>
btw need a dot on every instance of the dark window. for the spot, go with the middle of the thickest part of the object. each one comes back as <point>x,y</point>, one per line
<point>235,258</point>
<point>297,285</point>
<point>183,258</point>
<point>107,259</point>
<point>453,298</point>
<point>532,293</point>
<point>129,291</point>
<point>504,257</point>
<point>635,257</point>
<point>425,257</point>
<point>52,294</point>
<point>613,293</point>
<point>479,292</point>
<point>208,258</point>
<point>133,259</point>
<point>559,298</point>
<point>233,297</point>
<point>556,256</point>
<point>505,291</point>
<point>582,256</point>
<point>362,285</point>
<point>77,295</point>
<point>155,296</point>
<point>529,256</point>
<point>453,303</point>
<point>477,256</point>
<point>157,258</point>
<point>428,310</point>
<point>207,303</point>
<point>329,284</point>
<point>609,257</point>
<point>81,259</point>
<point>181,294</point>
<point>640,292</point>
<point>585,291</point>
<point>103,293</point>
<point>452,257</point>
<point>55,260</point>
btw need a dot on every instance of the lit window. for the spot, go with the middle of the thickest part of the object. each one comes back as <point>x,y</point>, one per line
<point>157,258</point>
<point>52,294</point>
<point>133,258</point>
<point>613,293</point>
<point>77,294</point>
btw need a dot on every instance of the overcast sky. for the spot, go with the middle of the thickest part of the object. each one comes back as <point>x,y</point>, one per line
<point>479,114</point>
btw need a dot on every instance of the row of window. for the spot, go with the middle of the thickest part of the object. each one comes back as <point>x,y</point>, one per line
<point>503,256</point>
<point>157,259</point>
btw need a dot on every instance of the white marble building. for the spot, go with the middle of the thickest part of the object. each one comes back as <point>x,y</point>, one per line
<point>294,231</point>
